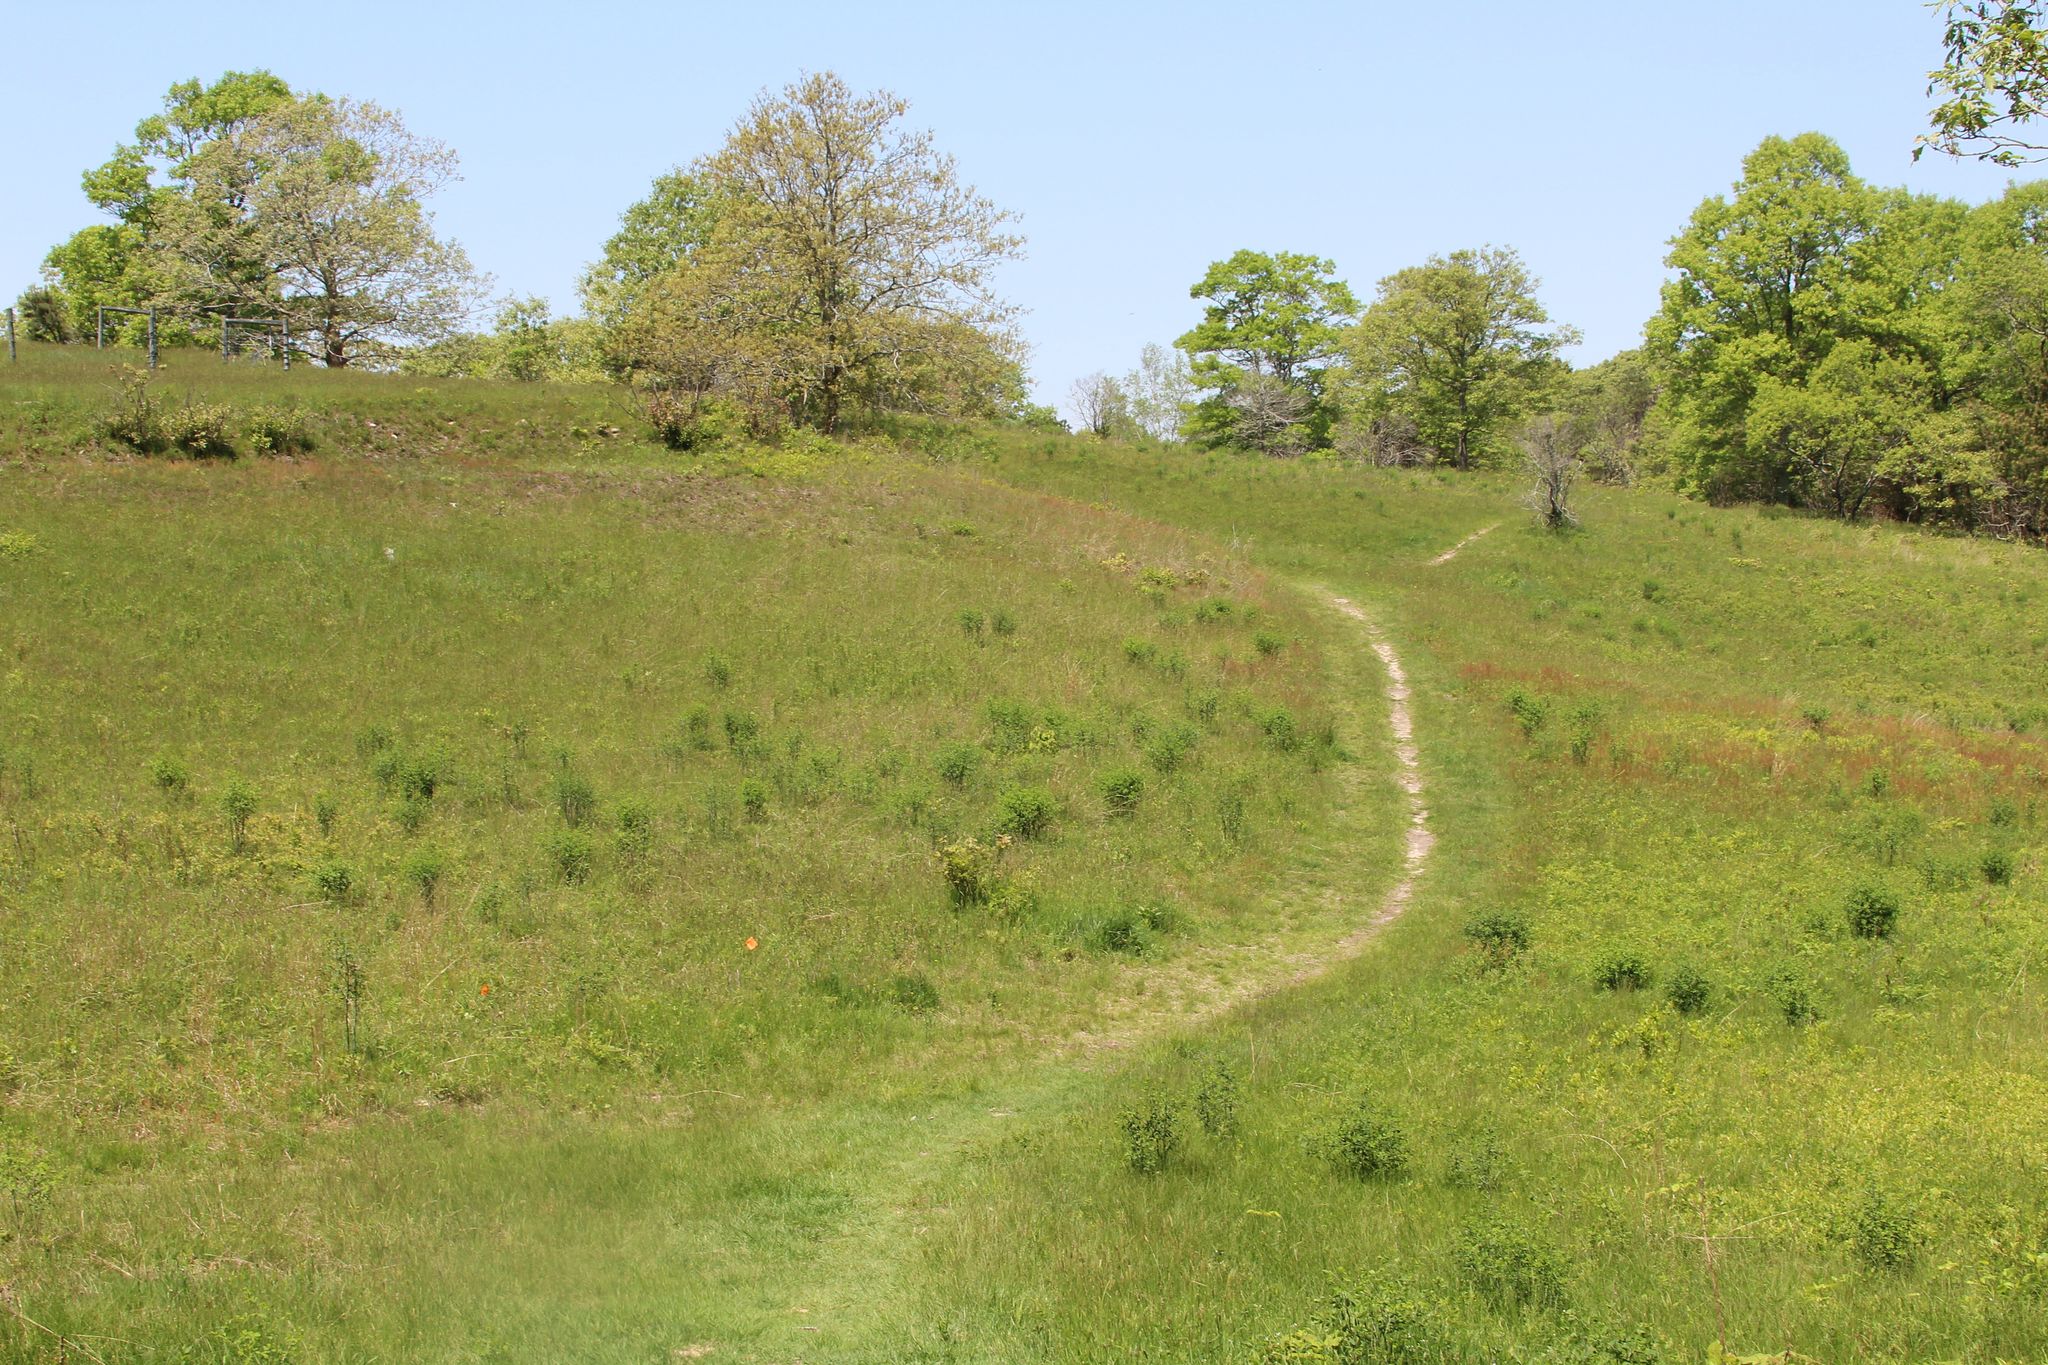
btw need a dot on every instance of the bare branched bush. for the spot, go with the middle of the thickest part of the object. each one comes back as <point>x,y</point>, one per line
<point>1552,458</point>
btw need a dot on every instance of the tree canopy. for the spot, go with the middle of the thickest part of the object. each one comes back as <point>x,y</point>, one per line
<point>1992,83</point>
<point>1460,348</point>
<point>244,197</point>
<point>1270,323</point>
<point>847,266</point>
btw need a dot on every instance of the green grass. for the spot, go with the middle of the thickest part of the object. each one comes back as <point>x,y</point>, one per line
<point>383,840</point>
<point>1682,737</point>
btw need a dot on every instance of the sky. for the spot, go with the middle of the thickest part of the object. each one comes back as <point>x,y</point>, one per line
<point>1136,143</point>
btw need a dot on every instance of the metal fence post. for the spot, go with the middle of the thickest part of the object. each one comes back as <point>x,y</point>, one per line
<point>152,338</point>
<point>99,336</point>
<point>287,348</point>
<point>12,354</point>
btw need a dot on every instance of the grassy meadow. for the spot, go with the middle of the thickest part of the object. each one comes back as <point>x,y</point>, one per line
<point>475,885</point>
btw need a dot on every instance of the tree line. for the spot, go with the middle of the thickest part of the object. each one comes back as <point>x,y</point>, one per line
<point>1821,341</point>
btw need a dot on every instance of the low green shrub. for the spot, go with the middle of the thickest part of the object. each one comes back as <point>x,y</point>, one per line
<point>569,854</point>
<point>1216,1101</point>
<point>1151,1134</point>
<point>1026,812</point>
<point>968,868</point>
<point>333,880</point>
<point>1883,1232</point>
<point>1508,1263</point>
<point>1688,990</point>
<point>1500,934</point>
<point>170,775</point>
<point>423,868</point>
<point>573,797</point>
<point>913,992</point>
<point>1369,1143</point>
<point>1996,867</point>
<point>1122,789</point>
<point>237,805</point>
<point>633,830</point>
<point>957,762</point>
<point>1872,911</point>
<point>1622,969</point>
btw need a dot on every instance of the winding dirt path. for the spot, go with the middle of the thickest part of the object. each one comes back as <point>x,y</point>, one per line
<point>1448,555</point>
<point>1419,839</point>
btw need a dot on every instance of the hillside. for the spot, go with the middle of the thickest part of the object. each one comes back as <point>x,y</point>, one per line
<point>478,885</point>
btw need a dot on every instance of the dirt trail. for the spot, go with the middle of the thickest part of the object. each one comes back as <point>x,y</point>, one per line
<point>1419,840</point>
<point>1448,555</point>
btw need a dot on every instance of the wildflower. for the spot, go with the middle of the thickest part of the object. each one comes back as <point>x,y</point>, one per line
<point>485,989</point>
<point>753,943</point>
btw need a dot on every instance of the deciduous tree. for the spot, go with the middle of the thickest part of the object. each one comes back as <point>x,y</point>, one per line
<point>1461,347</point>
<point>1271,322</point>
<point>1993,82</point>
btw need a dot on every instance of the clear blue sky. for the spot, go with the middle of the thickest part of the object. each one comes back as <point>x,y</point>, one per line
<point>1137,142</point>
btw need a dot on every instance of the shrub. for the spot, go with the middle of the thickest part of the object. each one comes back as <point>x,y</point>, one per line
<point>1216,1101</point>
<point>2004,814</point>
<point>1230,813</point>
<point>1622,970</point>
<point>1794,996</point>
<point>325,812</point>
<point>570,854</point>
<point>1026,812</point>
<point>1123,931</point>
<point>1122,789</point>
<point>1151,1133</point>
<point>170,775</point>
<point>137,419</point>
<point>969,869</point>
<point>913,992</point>
<point>1203,705</point>
<point>1509,1264</point>
<point>1380,1321</point>
<point>1500,934</point>
<point>410,812</point>
<point>1476,1162</point>
<point>1997,867</point>
<point>277,431</point>
<point>1139,651</point>
<point>1277,724</point>
<point>1268,644</point>
<point>1529,711</point>
<point>1883,1232</point>
<point>754,798</point>
<point>717,671</point>
<point>573,797</point>
<point>971,623</point>
<point>423,867</point>
<point>1369,1143</point>
<point>200,430</point>
<point>1002,622</point>
<point>421,774</point>
<point>1013,723</point>
<point>742,732</point>
<point>634,835</point>
<point>333,880</point>
<point>237,804</point>
<point>957,762</point>
<point>1168,749</point>
<point>1872,911</point>
<point>689,424</point>
<point>1688,991</point>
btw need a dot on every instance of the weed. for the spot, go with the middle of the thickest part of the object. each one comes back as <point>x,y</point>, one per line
<point>1151,1133</point>
<point>1002,622</point>
<point>1369,1143</point>
<point>410,813</point>
<point>972,623</point>
<point>1794,995</point>
<point>2003,814</point>
<point>1379,1321</point>
<point>742,732</point>
<point>170,775</point>
<point>1139,651</point>
<point>1268,644</point>
<point>717,671</point>
<point>1169,748</point>
<point>1996,866</point>
<point>326,811</point>
<point>1476,1162</point>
